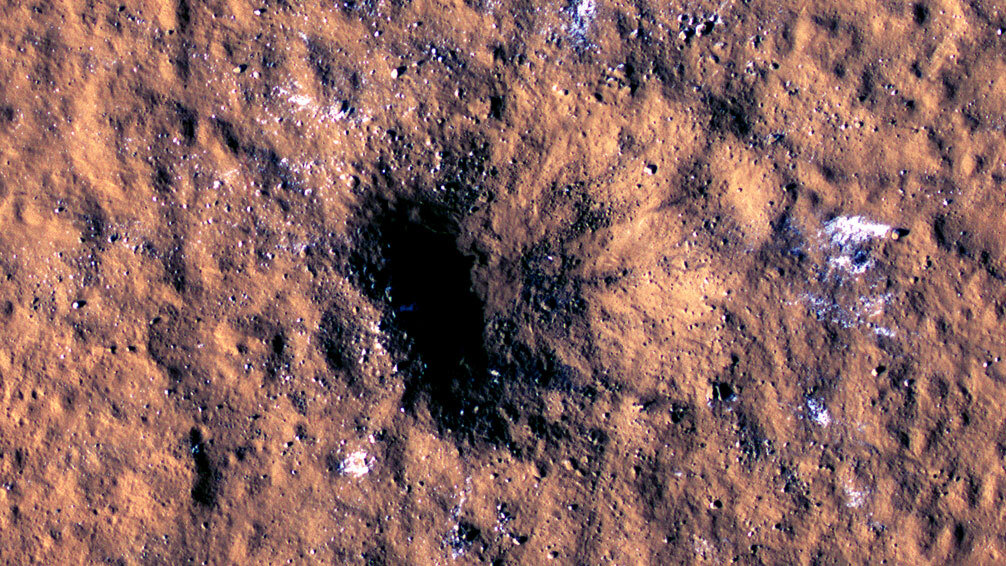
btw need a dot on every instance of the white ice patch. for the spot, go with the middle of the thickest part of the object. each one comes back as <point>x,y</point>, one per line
<point>846,291</point>
<point>301,100</point>
<point>847,238</point>
<point>356,465</point>
<point>850,314</point>
<point>306,106</point>
<point>873,305</point>
<point>854,498</point>
<point>884,331</point>
<point>459,539</point>
<point>845,231</point>
<point>818,412</point>
<point>582,13</point>
<point>703,548</point>
<point>846,263</point>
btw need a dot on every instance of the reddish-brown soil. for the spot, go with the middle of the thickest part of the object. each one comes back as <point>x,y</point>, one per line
<point>418,282</point>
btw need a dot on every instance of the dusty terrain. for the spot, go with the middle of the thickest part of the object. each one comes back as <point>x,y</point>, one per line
<point>418,282</point>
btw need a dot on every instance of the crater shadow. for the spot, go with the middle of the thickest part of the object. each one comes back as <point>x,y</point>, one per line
<point>408,258</point>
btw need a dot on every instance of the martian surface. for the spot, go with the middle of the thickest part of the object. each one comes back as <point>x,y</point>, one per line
<point>452,282</point>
